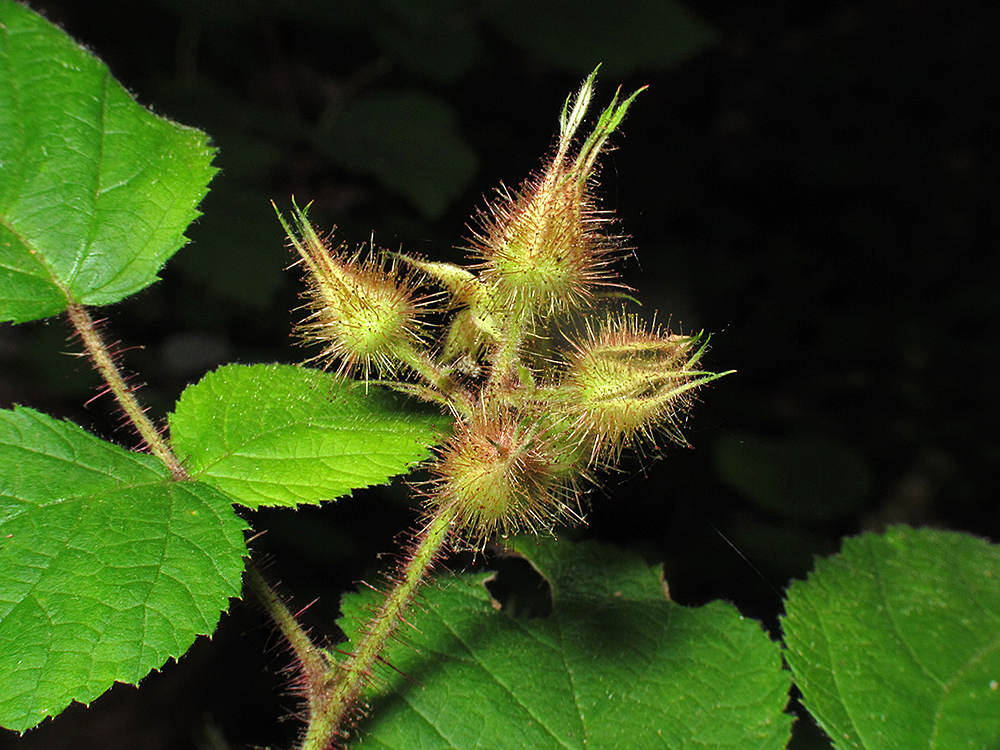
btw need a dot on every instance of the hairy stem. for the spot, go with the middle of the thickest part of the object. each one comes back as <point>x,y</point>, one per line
<point>438,379</point>
<point>507,355</point>
<point>338,696</point>
<point>305,650</point>
<point>103,360</point>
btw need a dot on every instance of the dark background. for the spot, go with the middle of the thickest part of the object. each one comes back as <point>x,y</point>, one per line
<point>813,183</point>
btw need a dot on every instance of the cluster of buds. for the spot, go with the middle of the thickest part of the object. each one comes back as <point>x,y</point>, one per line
<point>531,419</point>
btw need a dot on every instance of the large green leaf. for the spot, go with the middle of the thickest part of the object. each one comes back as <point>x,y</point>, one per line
<point>616,665</point>
<point>284,435</point>
<point>107,568</point>
<point>895,642</point>
<point>95,190</point>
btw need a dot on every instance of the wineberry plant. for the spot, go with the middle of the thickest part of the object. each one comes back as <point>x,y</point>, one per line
<point>514,380</point>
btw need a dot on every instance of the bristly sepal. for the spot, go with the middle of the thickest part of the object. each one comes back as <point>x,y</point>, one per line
<point>546,248</point>
<point>366,313</point>
<point>502,473</point>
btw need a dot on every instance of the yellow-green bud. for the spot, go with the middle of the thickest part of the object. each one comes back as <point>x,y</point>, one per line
<point>623,382</point>
<point>364,313</point>
<point>500,475</point>
<point>545,248</point>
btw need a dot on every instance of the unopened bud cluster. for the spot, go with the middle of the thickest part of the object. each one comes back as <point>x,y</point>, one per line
<point>531,419</point>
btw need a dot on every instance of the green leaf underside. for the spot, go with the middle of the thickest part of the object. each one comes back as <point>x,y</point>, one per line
<point>895,642</point>
<point>95,191</point>
<point>285,435</point>
<point>616,665</point>
<point>107,568</point>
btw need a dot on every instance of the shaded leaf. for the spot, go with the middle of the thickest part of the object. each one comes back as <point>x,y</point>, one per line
<point>284,435</point>
<point>95,191</point>
<point>107,568</point>
<point>812,478</point>
<point>434,38</point>
<point>616,665</point>
<point>407,140</point>
<point>895,642</point>
<point>625,35</point>
<point>235,226</point>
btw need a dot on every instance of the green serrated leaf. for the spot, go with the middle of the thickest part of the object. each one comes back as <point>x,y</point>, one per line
<point>284,435</point>
<point>895,642</point>
<point>616,665</point>
<point>95,191</point>
<point>107,568</point>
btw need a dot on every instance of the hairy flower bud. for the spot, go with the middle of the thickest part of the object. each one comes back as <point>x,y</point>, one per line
<point>500,475</point>
<point>624,381</point>
<point>472,325</point>
<point>365,314</point>
<point>545,248</point>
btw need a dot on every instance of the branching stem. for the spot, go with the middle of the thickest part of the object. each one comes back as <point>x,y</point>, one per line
<point>335,698</point>
<point>508,351</point>
<point>436,377</point>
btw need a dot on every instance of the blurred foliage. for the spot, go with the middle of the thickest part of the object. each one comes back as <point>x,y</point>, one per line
<point>800,478</point>
<point>810,183</point>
